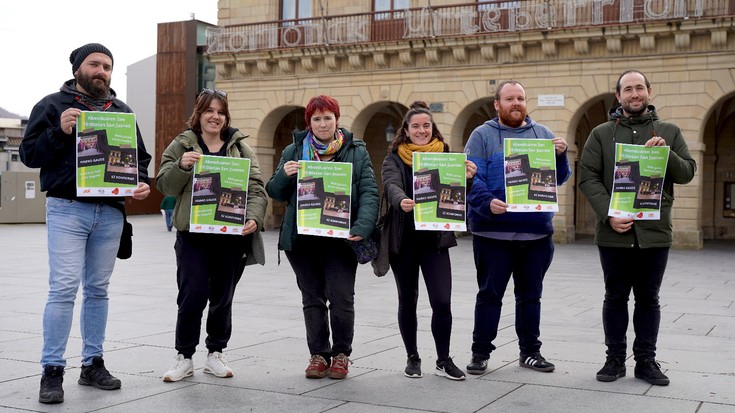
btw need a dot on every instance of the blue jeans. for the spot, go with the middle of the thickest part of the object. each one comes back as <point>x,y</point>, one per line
<point>83,239</point>
<point>496,261</point>
<point>169,217</point>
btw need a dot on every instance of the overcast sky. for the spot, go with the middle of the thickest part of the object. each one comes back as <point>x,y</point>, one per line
<point>37,36</point>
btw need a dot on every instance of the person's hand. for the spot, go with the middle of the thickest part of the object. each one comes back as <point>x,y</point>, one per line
<point>188,159</point>
<point>249,227</point>
<point>290,168</point>
<point>470,169</point>
<point>655,141</point>
<point>621,224</point>
<point>498,207</point>
<point>142,191</point>
<point>68,120</point>
<point>355,238</point>
<point>560,145</point>
<point>407,205</point>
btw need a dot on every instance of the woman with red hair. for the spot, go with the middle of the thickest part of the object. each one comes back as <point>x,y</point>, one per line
<point>325,267</point>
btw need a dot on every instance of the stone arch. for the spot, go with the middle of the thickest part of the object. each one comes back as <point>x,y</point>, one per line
<point>277,128</point>
<point>590,114</point>
<point>718,170</point>
<point>472,116</point>
<point>370,125</point>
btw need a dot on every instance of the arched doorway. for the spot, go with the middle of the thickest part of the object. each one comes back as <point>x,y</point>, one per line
<point>288,120</point>
<point>718,178</point>
<point>473,115</point>
<point>373,125</point>
<point>591,114</point>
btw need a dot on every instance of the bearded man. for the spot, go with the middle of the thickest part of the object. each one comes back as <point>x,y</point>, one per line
<point>508,244</point>
<point>83,232</point>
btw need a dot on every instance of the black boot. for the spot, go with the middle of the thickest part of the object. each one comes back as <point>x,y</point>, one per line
<point>51,385</point>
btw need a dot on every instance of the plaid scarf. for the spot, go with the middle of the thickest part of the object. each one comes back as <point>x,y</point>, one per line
<point>99,105</point>
<point>313,148</point>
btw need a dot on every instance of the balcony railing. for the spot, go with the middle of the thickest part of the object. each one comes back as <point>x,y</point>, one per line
<point>472,19</point>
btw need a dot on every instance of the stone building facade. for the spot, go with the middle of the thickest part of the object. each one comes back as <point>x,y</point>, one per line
<point>376,57</point>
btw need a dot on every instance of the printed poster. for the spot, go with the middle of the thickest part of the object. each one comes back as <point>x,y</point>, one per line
<point>107,154</point>
<point>439,191</point>
<point>530,175</point>
<point>323,200</point>
<point>638,181</point>
<point>219,195</point>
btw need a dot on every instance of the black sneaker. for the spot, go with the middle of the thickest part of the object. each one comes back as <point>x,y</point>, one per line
<point>51,388</point>
<point>413,367</point>
<point>97,375</point>
<point>536,361</point>
<point>447,369</point>
<point>477,365</point>
<point>650,371</point>
<point>612,370</point>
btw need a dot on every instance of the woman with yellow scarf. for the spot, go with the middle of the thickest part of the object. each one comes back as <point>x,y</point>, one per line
<point>411,250</point>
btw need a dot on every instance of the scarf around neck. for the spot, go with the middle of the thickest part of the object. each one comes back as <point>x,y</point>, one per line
<point>95,104</point>
<point>313,149</point>
<point>406,150</point>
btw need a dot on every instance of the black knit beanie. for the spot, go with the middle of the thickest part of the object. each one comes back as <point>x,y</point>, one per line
<point>79,54</point>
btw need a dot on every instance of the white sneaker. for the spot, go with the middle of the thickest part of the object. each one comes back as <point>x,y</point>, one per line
<point>183,368</point>
<point>217,365</point>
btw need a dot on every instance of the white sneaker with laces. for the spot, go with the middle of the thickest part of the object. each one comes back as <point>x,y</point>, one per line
<point>217,365</point>
<point>183,368</point>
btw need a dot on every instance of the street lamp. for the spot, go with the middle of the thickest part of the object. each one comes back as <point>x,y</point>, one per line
<point>390,132</point>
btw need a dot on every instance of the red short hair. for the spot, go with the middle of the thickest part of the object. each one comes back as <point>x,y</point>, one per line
<point>321,103</point>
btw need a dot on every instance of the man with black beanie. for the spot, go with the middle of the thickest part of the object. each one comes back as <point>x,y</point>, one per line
<point>83,232</point>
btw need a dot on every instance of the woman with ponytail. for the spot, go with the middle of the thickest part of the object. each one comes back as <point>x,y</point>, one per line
<point>411,250</point>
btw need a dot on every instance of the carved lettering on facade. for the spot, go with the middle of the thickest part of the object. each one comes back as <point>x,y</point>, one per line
<point>510,16</point>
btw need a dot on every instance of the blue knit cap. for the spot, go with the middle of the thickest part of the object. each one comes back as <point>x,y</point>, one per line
<point>79,54</point>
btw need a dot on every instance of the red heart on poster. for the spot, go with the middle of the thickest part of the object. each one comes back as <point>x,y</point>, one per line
<point>446,225</point>
<point>640,215</point>
<point>115,191</point>
<point>223,229</point>
<point>538,207</point>
<point>330,232</point>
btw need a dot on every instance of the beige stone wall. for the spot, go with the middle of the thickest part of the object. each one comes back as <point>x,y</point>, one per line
<point>460,72</point>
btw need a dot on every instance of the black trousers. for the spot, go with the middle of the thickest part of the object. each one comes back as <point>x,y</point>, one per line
<point>437,271</point>
<point>325,273</point>
<point>208,269</point>
<point>641,270</point>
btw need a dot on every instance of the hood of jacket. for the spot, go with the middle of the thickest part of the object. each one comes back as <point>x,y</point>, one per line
<point>616,114</point>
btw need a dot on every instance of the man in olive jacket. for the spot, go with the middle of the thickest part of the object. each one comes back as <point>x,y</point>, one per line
<point>633,254</point>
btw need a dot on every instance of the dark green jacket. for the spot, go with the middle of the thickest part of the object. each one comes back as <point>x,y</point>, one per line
<point>174,181</point>
<point>364,188</point>
<point>597,166</point>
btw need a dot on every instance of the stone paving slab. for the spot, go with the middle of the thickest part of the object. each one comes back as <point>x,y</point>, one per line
<point>268,349</point>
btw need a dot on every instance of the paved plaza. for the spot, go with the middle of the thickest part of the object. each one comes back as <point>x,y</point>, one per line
<point>268,351</point>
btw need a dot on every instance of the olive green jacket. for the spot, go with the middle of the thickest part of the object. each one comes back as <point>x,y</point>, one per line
<point>596,172</point>
<point>174,181</point>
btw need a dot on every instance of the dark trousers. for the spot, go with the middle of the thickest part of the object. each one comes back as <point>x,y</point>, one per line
<point>437,271</point>
<point>641,270</point>
<point>208,269</point>
<point>496,261</point>
<point>325,273</point>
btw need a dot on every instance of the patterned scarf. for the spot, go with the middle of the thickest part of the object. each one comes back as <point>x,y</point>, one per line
<point>313,148</point>
<point>406,150</point>
<point>95,104</point>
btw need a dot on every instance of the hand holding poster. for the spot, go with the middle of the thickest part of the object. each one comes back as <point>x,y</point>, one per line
<point>107,154</point>
<point>439,191</point>
<point>323,200</point>
<point>219,195</point>
<point>530,175</point>
<point>638,181</point>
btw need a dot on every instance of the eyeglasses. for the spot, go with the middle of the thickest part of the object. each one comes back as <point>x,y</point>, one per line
<point>208,91</point>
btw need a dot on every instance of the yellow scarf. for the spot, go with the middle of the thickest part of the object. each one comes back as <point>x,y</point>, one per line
<point>406,150</point>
